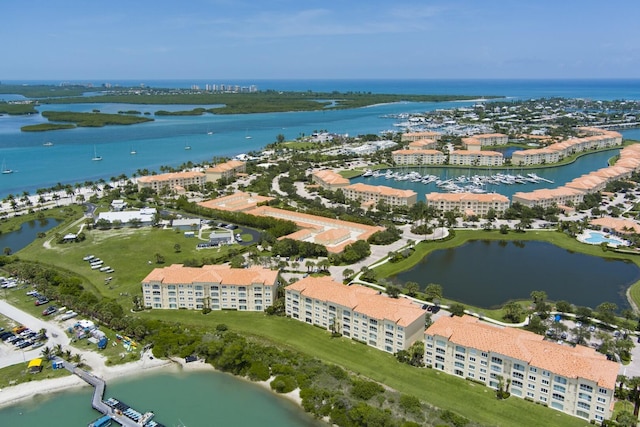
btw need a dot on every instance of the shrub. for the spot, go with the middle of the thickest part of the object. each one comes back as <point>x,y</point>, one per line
<point>365,390</point>
<point>259,371</point>
<point>284,384</point>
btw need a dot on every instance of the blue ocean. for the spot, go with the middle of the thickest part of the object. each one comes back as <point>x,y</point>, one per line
<point>67,159</point>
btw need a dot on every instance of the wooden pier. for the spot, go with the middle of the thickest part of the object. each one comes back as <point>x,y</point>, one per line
<point>98,403</point>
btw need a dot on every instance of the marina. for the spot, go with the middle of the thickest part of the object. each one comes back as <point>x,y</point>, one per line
<point>112,409</point>
<point>461,183</point>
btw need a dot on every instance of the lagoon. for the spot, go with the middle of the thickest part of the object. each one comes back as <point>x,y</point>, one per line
<point>190,399</point>
<point>27,233</point>
<point>488,273</point>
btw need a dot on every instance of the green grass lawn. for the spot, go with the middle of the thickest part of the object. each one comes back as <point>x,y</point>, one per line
<point>445,391</point>
<point>16,374</point>
<point>131,252</point>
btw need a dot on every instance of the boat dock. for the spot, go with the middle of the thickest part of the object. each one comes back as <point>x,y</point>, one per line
<point>114,409</point>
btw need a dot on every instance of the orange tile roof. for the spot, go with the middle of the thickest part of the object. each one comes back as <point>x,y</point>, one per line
<point>477,153</point>
<point>360,299</point>
<point>380,189</point>
<point>460,197</point>
<point>330,177</point>
<point>224,167</point>
<point>422,151</point>
<point>579,362</point>
<point>620,225</point>
<point>236,202</point>
<point>548,193</point>
<point>170,176</point>
<point>223,274</point>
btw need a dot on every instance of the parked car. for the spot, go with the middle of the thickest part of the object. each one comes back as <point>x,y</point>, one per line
<point>49,310</point>
<point>41,301</point>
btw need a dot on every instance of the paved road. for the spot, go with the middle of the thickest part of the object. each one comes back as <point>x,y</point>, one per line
<point>9,355</point>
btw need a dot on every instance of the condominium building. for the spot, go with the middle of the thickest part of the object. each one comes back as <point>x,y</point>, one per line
<point>357,312</point>
<point>575,380</point>
<point>476,158</point>
<point>418,157</point>
<point>536,156</point>
<point>379,193</point>
<point>226,170</point>
<point>486,139</point>
<point>218,287</point>
<point>329,180</point>
<point>468,203</point>
<point>415,136</point>
<point>171,181</point>
<point>596,139</point>
<point>548,197</point>
<point>422,144</point>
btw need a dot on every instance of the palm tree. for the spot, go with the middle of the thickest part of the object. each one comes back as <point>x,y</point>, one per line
<point>47,353</point>
<point>57,350</point>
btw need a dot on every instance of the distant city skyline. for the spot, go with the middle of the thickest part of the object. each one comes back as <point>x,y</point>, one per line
<point>286,39</point>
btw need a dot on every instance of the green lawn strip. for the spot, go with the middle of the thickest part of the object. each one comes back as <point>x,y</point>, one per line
<point>551,236</point>
<point>16,374</point>
<point>445,391</point>
<point>351,173</point>
<point>127,250</point>
<point>300,145</point>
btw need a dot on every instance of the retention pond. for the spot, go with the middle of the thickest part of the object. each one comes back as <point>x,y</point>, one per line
<point>487,274</point>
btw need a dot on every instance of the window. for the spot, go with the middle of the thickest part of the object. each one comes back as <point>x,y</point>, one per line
<point>459,357</point>
<point>441,343</point>
<point>584,405</point>
<point>533,370</point>
<point>558,396</point>
<point>518,367</point>
<point>584,396</point>
<point>582,414</point>
<point>496,368</point>
<point>559,380</point>
<point>543,399</point>
<point>586,388</point>
<point>602,400</point>
<point>545,382</point>
<point>460,349</point>
<point>531,386</point>
<point>516,383</point>
<point>559,388</point>
<point>496,360</point>
<point>599,409</point>
<point>459,365</point>
<point>517,375</point>
<point>602,390</point>
<point>544,390</point>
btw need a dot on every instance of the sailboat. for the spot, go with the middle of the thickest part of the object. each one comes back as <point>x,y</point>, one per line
<point>5,171</point>
<point>132,152</point>
<point>187,146</point>
<point>48,144</point>
<point>248,136</point>
<point>96,158</point>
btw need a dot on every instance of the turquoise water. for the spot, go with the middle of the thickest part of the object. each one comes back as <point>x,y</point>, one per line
<point>597,237</point>
<point>162,142</point>
<point>190,399</point>
<point>559,175</point>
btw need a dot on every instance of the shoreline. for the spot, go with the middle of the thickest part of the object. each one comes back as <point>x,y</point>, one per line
<point>24,392</point>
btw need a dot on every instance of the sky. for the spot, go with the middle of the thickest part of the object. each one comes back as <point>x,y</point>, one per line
<point>310,39</point>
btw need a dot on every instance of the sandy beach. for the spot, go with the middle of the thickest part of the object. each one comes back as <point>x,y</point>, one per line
<point>147,364</point>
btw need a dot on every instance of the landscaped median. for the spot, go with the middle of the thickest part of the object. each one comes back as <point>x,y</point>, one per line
<point>466,398</point>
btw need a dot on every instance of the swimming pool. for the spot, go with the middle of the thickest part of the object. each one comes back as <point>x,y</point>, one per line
<point>594,237</point>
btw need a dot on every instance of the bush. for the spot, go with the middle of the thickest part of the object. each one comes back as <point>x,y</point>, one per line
<point>365,390</point>
<point>259,371</point>
<point>283,384</point>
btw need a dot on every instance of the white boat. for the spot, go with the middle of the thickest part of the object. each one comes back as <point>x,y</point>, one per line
<point>187,147</point>
<point>5,170</point>
<point>96,158</point>
<point>48,144</point>
<point>248,136</point>
<point>132,152</point>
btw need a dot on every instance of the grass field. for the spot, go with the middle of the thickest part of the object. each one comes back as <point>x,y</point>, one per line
<point>16,374</point>
<point>131,252</point>
<point>434,387</point>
